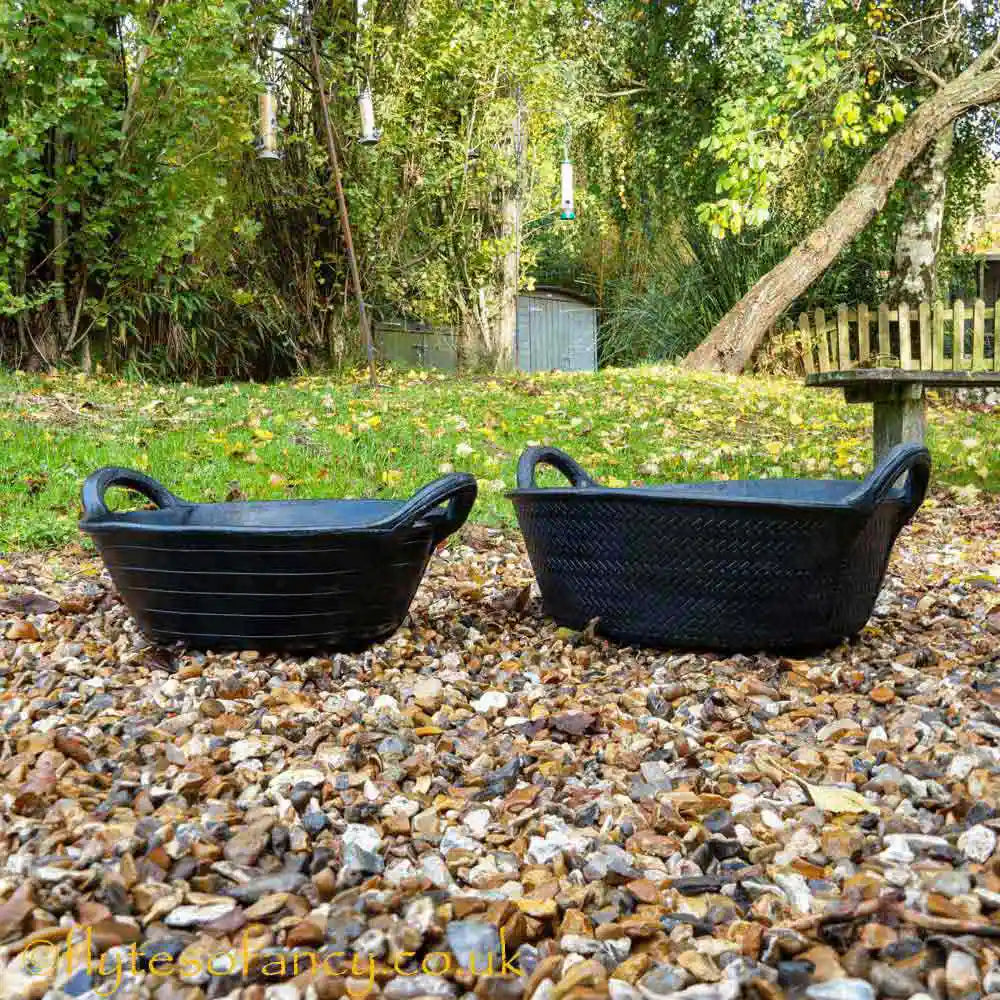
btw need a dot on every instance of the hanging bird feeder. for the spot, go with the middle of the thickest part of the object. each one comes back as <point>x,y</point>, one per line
<point>566,178</point>
<point>369,134</point>
<point>267,141</point>
<point>567,190</point>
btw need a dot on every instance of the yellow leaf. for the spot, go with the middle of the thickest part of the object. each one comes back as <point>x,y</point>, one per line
<point>262,434</point>
<point>829,798</point>
<point>832,799</point>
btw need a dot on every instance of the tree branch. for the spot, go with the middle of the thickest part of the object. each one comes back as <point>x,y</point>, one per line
<point>938,81</point>
<point>621,93</point>
<point>732,342</point>
<point>984,58</point>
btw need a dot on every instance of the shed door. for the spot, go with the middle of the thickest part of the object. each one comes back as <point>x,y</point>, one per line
<point>525,305</point>
<point>580,324</point>
<point>555,333</point>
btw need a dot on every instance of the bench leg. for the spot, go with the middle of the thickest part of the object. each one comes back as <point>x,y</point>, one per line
<point>898,419</point>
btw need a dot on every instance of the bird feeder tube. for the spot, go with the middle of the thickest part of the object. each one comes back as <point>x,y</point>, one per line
<point>369,134</point>
<point>567,190</point>
<point>267,143</point>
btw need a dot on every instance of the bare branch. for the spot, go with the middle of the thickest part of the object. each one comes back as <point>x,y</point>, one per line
<point>906,60</point>
<point>621,93</point>
<point>983,60</point>
<point>929,74</point>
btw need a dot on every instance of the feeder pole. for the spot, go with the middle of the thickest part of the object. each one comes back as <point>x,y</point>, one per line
<point>345,221</point>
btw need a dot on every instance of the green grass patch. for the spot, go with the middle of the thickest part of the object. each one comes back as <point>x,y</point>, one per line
<point>316,437</point>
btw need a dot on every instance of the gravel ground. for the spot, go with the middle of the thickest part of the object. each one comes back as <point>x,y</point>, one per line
<point>486,787</point>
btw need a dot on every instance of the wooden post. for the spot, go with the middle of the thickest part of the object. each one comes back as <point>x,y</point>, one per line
<point>884,343</point>
<point>864,337</point>
<point>899,419</point>
<point>905,345</point>
<point>938,335</point>
<point>996,337</point>
<point>824,343</point>
<point>958,336</point>
<point>898,413</point>
<point>978,335</point>
<point>807,346</point>
<point>843,338</point>
<point>926,351</point>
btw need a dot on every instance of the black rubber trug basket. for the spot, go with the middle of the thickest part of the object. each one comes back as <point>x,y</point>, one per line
<point>273,575</point>
<point>772,564</point>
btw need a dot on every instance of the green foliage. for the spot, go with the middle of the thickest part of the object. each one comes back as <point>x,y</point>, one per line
<point>138,230</point>
<point>317,437</point>
<point>118,124</point>
<point>762,114</point>
<point>694,280</point>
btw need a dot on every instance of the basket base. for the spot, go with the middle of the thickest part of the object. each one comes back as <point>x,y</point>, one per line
<point>352,643</point>
<point>744,643</point>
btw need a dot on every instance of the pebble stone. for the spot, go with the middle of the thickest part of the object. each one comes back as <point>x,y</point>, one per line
<point>632,824</point>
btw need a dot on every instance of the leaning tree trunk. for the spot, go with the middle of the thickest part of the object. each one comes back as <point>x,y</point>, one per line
<point>915,277</point>
<point>737,335</point>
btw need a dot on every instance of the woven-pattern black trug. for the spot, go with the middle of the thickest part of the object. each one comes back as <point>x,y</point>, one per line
<point>662,569</point>
<point>702,577</point>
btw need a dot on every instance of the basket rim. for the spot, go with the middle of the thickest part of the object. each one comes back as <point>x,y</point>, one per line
<point>110,526</point>
<point>664,498</point>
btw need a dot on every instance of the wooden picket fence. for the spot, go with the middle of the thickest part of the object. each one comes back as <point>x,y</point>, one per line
<point>929,337</point>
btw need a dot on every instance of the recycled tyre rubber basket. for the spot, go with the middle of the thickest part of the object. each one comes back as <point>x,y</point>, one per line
<point>770,564</point>
<point>272,575</point>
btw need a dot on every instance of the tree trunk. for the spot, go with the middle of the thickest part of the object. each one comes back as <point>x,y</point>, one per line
<point>60,238</point>
<point>507,325</point>
<point>737,335</point>
<point>915,278</point>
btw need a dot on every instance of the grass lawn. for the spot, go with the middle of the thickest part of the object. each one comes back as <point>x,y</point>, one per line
<point>315,437</point>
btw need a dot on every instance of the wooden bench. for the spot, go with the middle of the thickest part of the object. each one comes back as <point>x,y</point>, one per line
<point>913,349</point>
